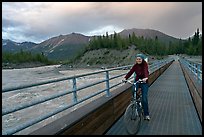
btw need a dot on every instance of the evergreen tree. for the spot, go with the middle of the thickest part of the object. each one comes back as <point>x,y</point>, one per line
<point>115,39</point>
<point>200,47</point>
<point>107,42</point>
<point>130,39</point>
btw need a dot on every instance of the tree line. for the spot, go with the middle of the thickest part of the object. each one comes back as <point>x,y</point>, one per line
<point>24,56</point>
<point>192,46</point>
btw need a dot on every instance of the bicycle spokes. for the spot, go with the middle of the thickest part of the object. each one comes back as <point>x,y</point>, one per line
<point>134,111</point>
<point>132,118</point>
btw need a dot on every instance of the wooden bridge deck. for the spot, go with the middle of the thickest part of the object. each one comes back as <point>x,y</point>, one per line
<point>171,107</point>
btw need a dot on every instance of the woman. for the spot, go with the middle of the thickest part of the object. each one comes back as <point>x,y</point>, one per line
<point>141,70</point>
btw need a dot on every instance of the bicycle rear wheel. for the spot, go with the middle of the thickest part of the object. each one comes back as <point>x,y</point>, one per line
<point>132,119</point>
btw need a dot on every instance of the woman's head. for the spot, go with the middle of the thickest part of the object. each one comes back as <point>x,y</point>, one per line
<point>139,58</point>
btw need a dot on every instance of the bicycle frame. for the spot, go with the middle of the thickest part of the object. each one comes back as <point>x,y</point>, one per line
<point>133,112</point>
<point>135,88</point>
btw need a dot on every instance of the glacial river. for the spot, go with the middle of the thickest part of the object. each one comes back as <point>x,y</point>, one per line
<point>17,77</point>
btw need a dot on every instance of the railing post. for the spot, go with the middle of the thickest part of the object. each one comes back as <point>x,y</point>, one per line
<point>157,66</point>
<point>74,90</point>
<point>190,67</point>
<point>107,84</point>
<point>160,63</point>
<point>164,62</point>
<point>194,66</point>
<point>198,71</point>
<point>185,63</point>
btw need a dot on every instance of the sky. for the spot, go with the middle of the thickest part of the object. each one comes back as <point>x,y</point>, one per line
<point>38,21</point>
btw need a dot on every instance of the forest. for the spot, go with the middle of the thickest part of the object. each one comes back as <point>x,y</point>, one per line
<point>191,46</point>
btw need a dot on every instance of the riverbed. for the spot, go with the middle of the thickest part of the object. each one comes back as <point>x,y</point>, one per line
<point>19,77</point>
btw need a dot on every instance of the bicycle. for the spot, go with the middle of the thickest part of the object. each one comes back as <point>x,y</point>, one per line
<point>134,111</point>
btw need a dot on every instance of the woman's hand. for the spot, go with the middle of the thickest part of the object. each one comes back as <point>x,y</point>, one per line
<point>144,79</point>
<point>124,80</point>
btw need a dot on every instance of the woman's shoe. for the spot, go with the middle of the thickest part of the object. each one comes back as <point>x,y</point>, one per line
<point>147,118</point>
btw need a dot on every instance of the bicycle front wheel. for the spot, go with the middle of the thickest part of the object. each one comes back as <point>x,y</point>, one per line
<point>132,119</point>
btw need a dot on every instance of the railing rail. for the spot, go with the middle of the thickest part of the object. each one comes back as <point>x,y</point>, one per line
<point>194,67</point>
<point>74,90</point>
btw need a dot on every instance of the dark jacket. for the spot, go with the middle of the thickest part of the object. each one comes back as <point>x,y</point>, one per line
<point>141,71</point>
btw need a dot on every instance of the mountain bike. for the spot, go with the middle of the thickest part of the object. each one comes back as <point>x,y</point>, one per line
<point>134,112</point>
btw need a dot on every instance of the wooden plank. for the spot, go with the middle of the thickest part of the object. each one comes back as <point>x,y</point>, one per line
<point>89,123</point>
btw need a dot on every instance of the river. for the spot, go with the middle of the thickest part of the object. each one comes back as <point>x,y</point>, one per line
<point>17,77</point>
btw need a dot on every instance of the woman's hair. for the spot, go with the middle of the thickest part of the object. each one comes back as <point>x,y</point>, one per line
<point>143,63</point>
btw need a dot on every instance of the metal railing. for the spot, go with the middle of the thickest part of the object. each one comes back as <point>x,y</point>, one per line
<point>74,90</point>
<point>195,68</point>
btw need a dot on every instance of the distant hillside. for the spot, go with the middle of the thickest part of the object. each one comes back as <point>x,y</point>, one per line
<point>11,46</point>
<point>148,33</point>
<point>63,46</point>
<point>108,58</point>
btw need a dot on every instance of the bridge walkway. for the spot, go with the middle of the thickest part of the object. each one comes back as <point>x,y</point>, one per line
<point>171,107</point>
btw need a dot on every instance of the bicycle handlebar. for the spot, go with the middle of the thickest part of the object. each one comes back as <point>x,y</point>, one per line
<point>139,81</point>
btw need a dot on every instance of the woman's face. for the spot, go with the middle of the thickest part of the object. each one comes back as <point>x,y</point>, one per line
<point>138,60</point>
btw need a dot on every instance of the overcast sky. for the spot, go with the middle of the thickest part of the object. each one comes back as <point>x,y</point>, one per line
<point>38,21</point>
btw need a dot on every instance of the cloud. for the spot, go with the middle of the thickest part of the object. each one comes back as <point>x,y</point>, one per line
<point>37,21</point>
<point>102,30</point>
<point>181,20</point>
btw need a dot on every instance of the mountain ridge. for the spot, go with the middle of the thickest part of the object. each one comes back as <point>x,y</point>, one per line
<point>149,33</point>
<point>67,46</point>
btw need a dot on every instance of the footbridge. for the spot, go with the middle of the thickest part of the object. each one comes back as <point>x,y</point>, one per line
<point>175,103</point>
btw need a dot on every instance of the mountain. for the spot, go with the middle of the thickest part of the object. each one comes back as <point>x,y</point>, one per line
<point>148,33</point>
<point>11,46</point>
<point>62,46</point>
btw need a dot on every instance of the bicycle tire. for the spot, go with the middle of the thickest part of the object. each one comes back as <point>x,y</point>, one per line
<point>132,124</point>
